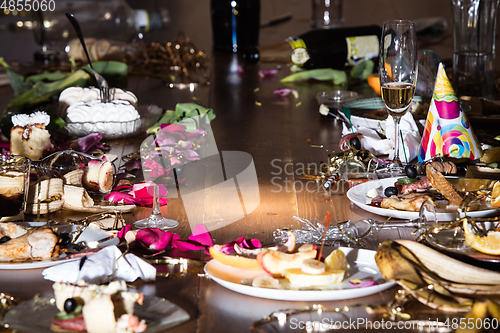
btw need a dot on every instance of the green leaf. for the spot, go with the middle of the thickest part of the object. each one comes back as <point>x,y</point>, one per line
<point>361,70</point>
<point>16,80</point>
<point>42,91</point>
<point>47,76</point>
<point>320,74</point>
<point>183,112</point>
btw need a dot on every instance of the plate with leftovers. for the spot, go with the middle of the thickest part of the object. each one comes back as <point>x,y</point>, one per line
<point>34,245</point>
<point>362,195</point>
<point>36,315</point>
<point>362,268</point>
<point>454,244</point>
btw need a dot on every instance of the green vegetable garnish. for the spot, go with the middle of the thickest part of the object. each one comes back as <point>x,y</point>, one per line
<point>64,316</point>
<point>407,180</point>
<point>320,74</point>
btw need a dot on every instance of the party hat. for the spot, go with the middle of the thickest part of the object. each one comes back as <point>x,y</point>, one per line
<point>447,130</point>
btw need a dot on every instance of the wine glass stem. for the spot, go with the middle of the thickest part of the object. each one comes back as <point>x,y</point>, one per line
<point>156,202</point>
<point>396,160</point>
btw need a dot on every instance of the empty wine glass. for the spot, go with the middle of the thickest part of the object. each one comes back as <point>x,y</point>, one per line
<point>156,220</point>
<point>398,72</point>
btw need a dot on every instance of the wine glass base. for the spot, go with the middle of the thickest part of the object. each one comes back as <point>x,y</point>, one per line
<point>162,223</point>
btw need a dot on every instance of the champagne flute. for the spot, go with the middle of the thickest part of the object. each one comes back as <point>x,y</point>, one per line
<point>156,220</point>
<point>398,72</point>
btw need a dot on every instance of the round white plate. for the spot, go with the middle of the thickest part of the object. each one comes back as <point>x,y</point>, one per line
<point>357,195</point>
<point>362,266</point>
<point>90,234</point>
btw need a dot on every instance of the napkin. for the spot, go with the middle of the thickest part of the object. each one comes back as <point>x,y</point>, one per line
<point>447,130</point>
<point>106,265</point>
<point>372,142</point>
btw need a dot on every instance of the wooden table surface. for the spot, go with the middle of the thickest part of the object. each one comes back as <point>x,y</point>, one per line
<point>275,133</point>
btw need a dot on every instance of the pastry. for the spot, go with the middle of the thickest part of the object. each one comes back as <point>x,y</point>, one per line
<point>29,136</point>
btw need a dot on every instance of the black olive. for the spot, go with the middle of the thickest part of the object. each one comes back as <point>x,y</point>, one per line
<point>391,190</point>
<point>70,305</point>
<point>74,247</point>
<point>4,239</point>
<point>410,171</point>
<point>64,239</point>
<point>355,142</point>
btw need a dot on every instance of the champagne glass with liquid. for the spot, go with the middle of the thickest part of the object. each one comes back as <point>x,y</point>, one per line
<point>398,72</point>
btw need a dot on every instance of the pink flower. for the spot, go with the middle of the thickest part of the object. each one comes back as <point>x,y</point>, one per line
<point>154,238</point>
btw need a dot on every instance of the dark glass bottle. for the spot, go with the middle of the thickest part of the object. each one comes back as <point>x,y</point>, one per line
<point>323,48</point>
<point>235,24</point>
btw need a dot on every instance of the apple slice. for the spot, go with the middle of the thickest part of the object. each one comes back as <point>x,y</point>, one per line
<point>233,260</point>
<point>276,262</point>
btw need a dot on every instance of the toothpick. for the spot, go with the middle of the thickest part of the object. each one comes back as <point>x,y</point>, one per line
<point>403,144</point>
<point>328,218</point>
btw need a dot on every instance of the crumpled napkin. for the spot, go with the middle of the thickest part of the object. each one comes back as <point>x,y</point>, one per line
<point>106,265</point>
<point>372,142</point>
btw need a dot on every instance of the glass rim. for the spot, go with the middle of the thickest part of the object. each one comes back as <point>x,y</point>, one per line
<point>402,22</point>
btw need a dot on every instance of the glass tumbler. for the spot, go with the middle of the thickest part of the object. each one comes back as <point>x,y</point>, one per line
<point>14,185</point>
<point>474,25</point>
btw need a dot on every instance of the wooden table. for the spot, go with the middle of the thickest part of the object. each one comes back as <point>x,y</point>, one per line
<point>276,134</point>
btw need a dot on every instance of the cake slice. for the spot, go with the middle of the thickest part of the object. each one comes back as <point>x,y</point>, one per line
<point>28,136</point>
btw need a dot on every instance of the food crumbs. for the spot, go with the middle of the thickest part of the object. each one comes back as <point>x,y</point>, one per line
<point>298,104</point>
<point>256,90</point>
<point>258,103</point>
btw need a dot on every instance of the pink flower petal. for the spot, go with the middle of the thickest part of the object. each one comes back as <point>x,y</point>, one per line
<point>119,197</point>
<point>123,231</point>
<point>362,284</point>
<point>286,91</point>
<point>247,244</point>
<point>202,235</point>
<point>268,72</point>
<point>152,238</point>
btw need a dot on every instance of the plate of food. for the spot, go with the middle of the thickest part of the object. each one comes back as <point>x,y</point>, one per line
<point>362,279</point>
<point>453,243</point>
<point>407,206</point>
<point>30,245</point>
<point>95,308</point>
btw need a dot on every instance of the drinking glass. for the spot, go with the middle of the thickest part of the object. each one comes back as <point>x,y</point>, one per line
<point>14,185</point>
<point>156,220</point>
<point>398,72</point>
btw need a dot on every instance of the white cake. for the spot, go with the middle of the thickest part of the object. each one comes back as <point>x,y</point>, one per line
<point>29,136</point>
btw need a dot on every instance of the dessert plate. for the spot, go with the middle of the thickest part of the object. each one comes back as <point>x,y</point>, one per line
<point>357,195</point>
<point>35,315</point>
<point>90,234</point>
<point>362,267</point>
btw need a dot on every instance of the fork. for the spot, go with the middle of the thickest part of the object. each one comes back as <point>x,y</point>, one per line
<point>101,82</point>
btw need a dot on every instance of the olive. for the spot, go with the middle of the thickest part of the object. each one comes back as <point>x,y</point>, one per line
<point>391,190</point>
<point>410,171</point>
<point>355,142</point>
<point>64,239</point>
<point>70,305</point>
<point>4,239</point>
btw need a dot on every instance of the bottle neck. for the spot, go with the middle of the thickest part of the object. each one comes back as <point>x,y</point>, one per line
<point>150,20</point>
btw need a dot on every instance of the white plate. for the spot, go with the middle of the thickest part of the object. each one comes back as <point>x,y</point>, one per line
<point>90,234</point>
<point>35,315</point>
<point>362,266</point>
<point>357,195</point>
